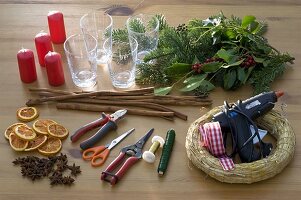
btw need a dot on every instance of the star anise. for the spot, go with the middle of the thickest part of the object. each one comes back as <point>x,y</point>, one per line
<point>18,161</point>
<point>67,180</point>
<point>36,168</point>
<point>75,170</point>
<point>62,157</point>
<point>54,180</point>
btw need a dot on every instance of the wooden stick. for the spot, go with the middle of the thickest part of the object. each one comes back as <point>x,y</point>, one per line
<point>97,108</point>
<point>148,90</point>
<point>139,99</point>
<point>131,103</point>
<point>33,102</point>
<point>47,94</point>
<point>49,90</point>
<point>146,96</point>
<point>176,102</point>
<point>142,97</point>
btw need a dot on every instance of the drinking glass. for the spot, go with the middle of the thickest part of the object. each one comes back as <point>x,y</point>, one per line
<point>81,56</point>
<point>145,29</point>
<point>122,62</point>
<point>99,25</point>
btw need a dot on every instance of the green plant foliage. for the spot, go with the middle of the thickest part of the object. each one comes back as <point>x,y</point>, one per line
<point>217,51</point>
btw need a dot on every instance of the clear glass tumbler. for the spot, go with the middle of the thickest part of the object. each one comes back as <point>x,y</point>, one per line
<point>122,62</point>
<point>99,25</point>
<point>81,56</point>
<point>145,29</point>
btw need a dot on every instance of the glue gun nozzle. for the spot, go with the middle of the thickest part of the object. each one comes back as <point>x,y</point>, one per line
<point>279,93</point>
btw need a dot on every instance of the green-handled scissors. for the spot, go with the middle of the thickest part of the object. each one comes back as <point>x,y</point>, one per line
<point>98,155</point>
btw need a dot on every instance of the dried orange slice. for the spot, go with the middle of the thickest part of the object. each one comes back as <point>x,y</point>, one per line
<point>40,126</point>
<point>16,143</point>
<point>27,114</point>
<point>36,143</point>
<point>57,130</point>
<point>11,129</point>
<point>24,132</point>
<point>51,146</point>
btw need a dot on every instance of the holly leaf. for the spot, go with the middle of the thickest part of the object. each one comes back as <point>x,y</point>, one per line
<point>233,64</point>
<point>258,60</point>
<point>201,83</point>
<point>195,78</point>
<point>253,26</point>
<point>250,69</point>
<point>229,79</point>
<point>241,74</point>
<point>247,20</point>
<point>191,86</point>
<point>178,68</point>
<point>162,91</point>
<point>230,34</point>
<point>207,85</point>
<point>226,55</point>
<point>211,67</point>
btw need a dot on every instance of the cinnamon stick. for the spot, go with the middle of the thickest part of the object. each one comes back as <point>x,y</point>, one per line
<point>131,103</point>
<point>98,108</point>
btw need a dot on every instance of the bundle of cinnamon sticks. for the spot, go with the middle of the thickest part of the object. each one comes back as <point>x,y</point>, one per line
<point>137,102</point>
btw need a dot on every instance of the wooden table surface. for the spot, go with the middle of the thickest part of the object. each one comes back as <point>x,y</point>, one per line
<point>21,20</point>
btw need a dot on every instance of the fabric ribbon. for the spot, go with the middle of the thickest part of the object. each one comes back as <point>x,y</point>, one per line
<point>212,140</point>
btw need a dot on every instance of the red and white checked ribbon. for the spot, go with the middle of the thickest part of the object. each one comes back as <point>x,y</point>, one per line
<point>212,140</point>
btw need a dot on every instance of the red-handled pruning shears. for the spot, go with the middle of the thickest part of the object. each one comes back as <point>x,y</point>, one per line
<point>108,123</point>
<point>133,152</point>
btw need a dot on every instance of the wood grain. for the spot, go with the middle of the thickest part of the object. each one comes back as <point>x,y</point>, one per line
<point>21,20</point>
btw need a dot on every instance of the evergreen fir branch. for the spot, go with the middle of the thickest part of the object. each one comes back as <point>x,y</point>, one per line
<point>178,41</point>
<point>235,20</point>
<point>151,74</point>
<point>158,53</point>
<point>162,22</point>
<point>200,41</point>
<point>263,77</point>
<point>137,25</point>
<point>120,35</point>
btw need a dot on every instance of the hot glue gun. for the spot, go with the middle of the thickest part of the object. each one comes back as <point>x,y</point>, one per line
<point>238,118</point>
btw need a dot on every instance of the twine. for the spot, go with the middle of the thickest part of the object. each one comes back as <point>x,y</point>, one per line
<point>259,170</point>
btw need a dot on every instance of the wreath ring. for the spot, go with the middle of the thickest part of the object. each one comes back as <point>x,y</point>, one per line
<point>259,170</point>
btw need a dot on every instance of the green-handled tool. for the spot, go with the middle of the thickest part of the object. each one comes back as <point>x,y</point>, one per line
<point>166,152</point>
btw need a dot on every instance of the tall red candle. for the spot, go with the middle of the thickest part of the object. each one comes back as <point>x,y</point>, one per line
<point>27,67</point>
<point>56,27</point>
<point>43,46</point>
<point>54,68</point>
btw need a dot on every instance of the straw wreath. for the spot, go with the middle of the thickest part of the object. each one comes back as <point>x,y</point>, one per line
<point>281,155</point>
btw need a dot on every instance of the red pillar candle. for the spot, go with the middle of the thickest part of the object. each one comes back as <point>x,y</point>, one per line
<point>56,27</point>
<point>27,67</point>
<point>55,72</point>
<point>43,46</point>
